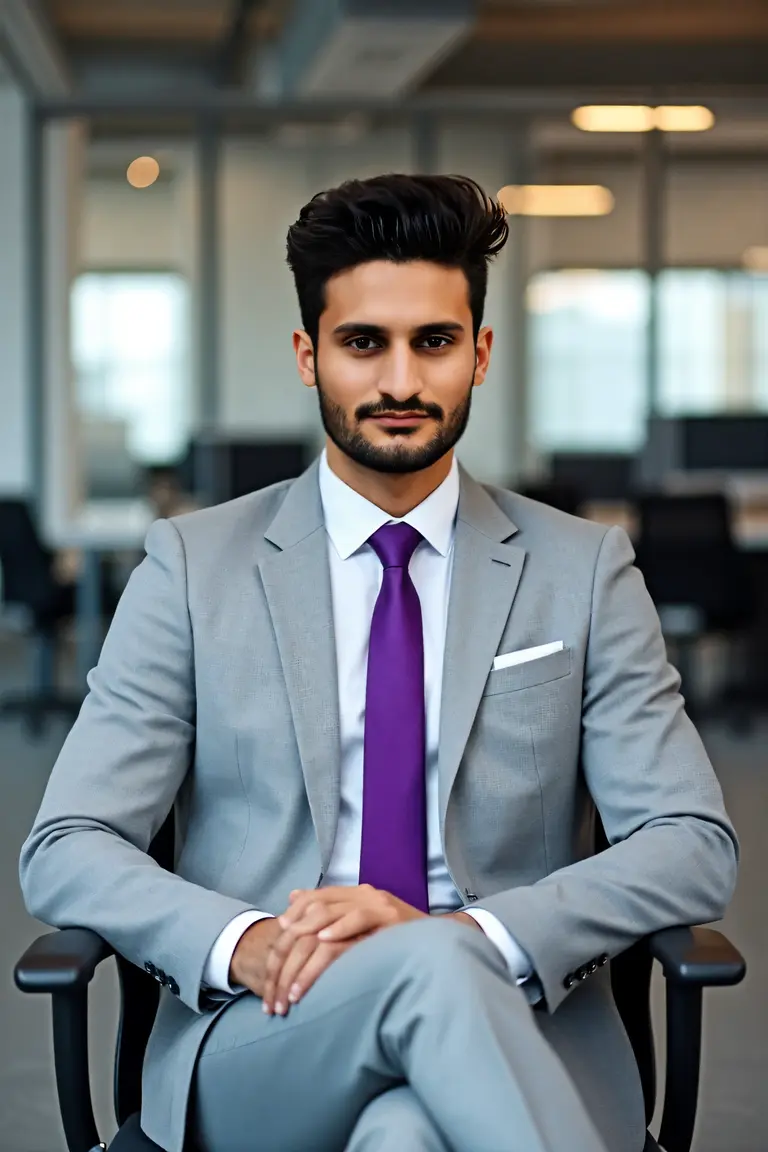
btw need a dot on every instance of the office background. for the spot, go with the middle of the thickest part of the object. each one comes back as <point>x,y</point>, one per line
<point>154,153</point>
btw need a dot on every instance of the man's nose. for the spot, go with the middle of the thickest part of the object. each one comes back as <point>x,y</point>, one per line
<point>400,379</point>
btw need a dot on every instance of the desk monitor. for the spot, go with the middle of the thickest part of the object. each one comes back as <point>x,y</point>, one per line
<point>225,469</point>
<point>595,475</point>
<point>736,443</point>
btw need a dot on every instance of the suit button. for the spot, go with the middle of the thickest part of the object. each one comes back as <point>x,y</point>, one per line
<point>173,986</point>
<point>150,968</point>
<point>601,960</point>
<point>582,973</point>
<point>569,981</point>
<point>592,968</point>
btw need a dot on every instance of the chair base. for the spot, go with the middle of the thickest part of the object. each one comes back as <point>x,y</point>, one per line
<point>35,708</point>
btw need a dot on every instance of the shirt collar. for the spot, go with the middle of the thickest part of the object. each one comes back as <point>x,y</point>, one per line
<point>351,520</point>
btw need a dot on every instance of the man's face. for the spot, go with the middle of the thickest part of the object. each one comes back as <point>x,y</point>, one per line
<point>396,362</point>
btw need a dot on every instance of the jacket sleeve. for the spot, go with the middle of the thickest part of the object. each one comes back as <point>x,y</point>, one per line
<point>85,862</point>
<point>673,852</point>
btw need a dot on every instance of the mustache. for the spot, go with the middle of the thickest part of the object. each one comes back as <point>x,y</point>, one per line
<point>387,407</point>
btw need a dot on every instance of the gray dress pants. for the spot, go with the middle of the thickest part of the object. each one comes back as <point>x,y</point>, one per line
<point>415,1040</point>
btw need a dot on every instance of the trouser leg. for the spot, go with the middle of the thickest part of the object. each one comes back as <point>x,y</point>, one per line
<point>396,1122</point>
<point>429,1003</point>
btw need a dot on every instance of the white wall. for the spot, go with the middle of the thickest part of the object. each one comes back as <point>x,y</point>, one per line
<point>15,462</point>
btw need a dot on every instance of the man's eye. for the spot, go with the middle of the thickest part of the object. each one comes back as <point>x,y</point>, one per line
<point>362,343</point>
<point>436,341</point>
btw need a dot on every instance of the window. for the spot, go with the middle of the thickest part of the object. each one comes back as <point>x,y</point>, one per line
<point>587,366</point>
<point>713,341</point>
<point>130,347</point>
<point>588,334</point>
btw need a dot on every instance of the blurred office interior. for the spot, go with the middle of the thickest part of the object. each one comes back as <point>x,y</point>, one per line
<point>154,153</point>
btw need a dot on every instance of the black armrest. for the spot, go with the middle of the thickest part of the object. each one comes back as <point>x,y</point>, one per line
<point>692,959</point>
<point>697,957</point>
<point>61,961</point>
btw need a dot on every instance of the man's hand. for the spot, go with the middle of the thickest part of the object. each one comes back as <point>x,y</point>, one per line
<point>318,926</point>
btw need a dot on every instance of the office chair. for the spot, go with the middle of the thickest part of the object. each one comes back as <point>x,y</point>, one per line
<point>697,577</point>
<point>28,581</point>
<point>62,963</point>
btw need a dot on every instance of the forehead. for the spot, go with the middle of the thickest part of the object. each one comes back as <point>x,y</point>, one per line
<point>397,295</point>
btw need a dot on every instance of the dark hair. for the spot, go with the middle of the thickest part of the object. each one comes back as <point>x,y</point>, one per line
<point>444,219</point>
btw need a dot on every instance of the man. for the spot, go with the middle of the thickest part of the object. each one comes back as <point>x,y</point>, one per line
<point>383,698</point>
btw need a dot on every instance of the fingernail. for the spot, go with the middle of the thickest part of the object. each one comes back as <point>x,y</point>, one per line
<point>280,1009</point>
<point>294,994</point>
<point>265,1009</point>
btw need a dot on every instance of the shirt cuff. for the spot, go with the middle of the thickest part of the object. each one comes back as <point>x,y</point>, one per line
<point>216,971</point>
<point>518,961</point>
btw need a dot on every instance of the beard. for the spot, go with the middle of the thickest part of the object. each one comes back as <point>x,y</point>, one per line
<point>400,458</point>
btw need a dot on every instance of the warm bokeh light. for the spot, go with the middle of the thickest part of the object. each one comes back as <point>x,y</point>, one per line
<point>693,118</point>
<point>756,258</point>
<point>642,118</point>
<point>614,118</point>
<point>143,171</point>
<point>556,200</point>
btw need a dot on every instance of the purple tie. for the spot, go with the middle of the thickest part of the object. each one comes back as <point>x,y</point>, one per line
<point>393,853</point>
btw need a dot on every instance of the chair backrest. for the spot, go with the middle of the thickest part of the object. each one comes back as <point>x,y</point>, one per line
<point>27,574</point>
<point>688,555</point>
<point>140,996</point>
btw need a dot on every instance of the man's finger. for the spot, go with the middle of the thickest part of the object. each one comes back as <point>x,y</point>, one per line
<point>354,923</point>
<point>317,916</point>
<point>321,958</point>
<point>295,961</point>
<point>302,949</point>
<point>303,897</point>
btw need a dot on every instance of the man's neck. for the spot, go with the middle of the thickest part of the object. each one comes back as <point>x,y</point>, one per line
<point>395,493</point>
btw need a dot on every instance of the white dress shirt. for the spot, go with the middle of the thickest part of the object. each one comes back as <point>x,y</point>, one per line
<point>356,577</point>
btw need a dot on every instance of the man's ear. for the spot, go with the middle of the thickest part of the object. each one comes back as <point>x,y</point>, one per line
<point>305,356</point>
<point>483,347</point>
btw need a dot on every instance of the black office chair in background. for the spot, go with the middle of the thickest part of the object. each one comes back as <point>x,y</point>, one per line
<point>700,583</point>
<point>62,964</point>
<point>29,582</point>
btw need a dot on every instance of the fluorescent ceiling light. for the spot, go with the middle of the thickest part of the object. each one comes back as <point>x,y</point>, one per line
<point>642,118</point>
<point>756,259</point>
<point>556,200</point>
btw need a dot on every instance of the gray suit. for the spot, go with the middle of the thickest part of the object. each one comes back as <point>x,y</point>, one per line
<point>216,691</point>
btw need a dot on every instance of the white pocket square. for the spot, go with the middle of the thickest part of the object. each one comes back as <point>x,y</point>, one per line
<point>509,659</point>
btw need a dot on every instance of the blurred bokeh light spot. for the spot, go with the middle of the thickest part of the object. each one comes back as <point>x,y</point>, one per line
<point>143,171</point>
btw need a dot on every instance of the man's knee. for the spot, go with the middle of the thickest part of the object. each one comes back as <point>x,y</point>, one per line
<point>395,1120</point>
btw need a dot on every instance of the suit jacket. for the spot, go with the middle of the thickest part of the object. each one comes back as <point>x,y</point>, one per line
<point>216,691</point>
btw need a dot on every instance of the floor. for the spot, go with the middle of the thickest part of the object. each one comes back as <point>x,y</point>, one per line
<point>734,1102</point>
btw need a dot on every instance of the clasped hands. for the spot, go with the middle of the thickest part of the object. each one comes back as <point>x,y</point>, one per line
<point>317,927</point>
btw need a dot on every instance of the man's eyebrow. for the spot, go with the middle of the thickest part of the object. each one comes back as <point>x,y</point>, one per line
<point>351,327</point>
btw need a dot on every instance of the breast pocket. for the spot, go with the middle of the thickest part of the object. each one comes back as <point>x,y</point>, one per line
<point>533,672</point>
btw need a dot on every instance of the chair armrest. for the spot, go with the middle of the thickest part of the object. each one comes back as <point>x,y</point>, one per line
<point>61,961</point>
<point>692,959</point>
<point>697,957</point>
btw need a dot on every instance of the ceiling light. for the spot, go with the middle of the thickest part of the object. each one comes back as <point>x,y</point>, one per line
<point>756,259</point>
<point>642,118</point>
<point>556,200</point>
<point>614,118</point>
<point>685,118</point>
<point>143,171</point>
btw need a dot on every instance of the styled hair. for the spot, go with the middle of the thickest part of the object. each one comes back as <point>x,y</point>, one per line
<point>447,220</point>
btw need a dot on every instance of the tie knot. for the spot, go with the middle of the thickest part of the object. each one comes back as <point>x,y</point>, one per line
<point>395,544</point>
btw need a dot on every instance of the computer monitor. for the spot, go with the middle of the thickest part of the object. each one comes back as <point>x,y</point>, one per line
<point>224,469</point>
<point>737,443</point>
<point>595,475</point>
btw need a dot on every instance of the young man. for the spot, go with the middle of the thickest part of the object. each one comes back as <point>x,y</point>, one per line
<point>383,699</point>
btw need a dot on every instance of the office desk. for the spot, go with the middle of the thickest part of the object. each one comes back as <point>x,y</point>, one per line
<point>101,526</point>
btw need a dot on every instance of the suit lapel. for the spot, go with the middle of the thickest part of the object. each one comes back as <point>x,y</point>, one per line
<point>297,585</point>
<point>485,578</point>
